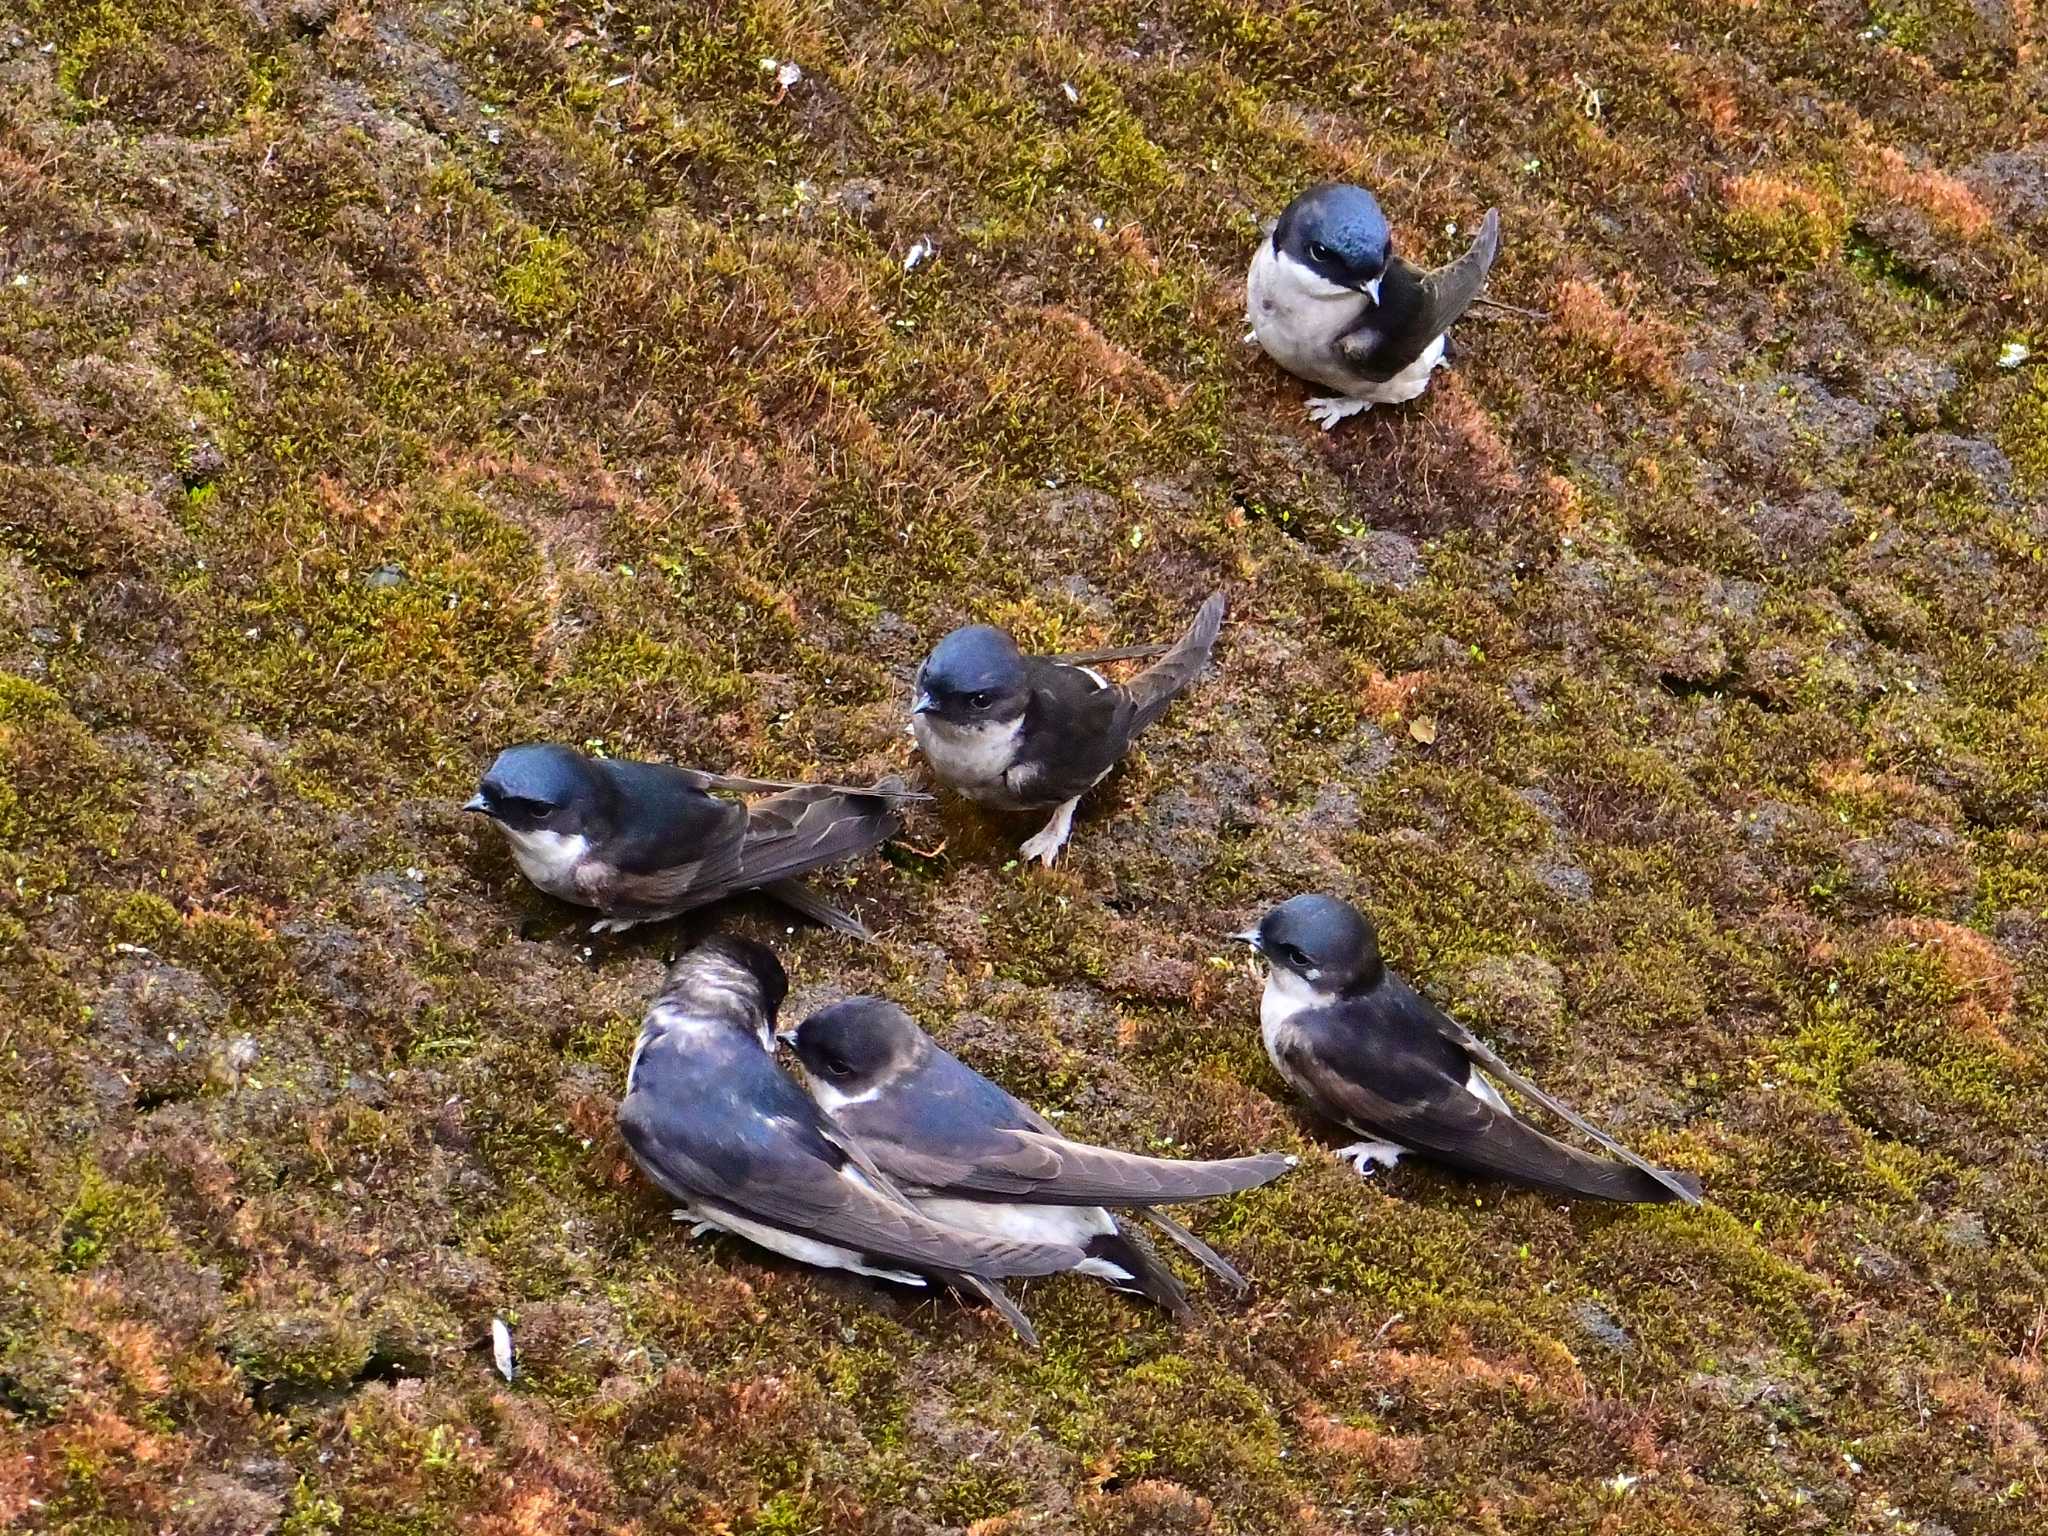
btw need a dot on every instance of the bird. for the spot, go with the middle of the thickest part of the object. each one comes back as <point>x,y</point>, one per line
<point>972,1156</point>
<point>1024,732</point>
<point>723,1130</point>
<point>1328,300</point>
<point>1371,1053</point>
<point>641,842</point>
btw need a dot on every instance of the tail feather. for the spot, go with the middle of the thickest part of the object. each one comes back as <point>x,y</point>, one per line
<point>801,898</point>
<point>1203,1254</point>
<point>1148,1277</point>
<point>803,829</point>
<point>1155,687</point>
<point>992,1292</point>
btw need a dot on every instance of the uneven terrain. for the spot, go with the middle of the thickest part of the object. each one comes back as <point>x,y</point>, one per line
<point>383,381</point>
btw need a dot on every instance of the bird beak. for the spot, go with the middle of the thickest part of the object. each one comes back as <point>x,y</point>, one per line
<point>787,1037</point>
<point>1249,936</point>
<point>477,803</point>
<point>923,704</point>
<point>1372,289</point>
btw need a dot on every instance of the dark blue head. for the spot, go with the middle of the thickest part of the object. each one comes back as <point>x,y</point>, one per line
<point>858,1044</point>
<point>975,674</point>
<point>1339,233</point>
<point>1326,942</point>
<point>539,787</point>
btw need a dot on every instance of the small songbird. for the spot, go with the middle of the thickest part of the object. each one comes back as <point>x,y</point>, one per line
<point>972,1156</point>
<point>1330,302</point>
<point>1022,732</point>
<point>1370,1052</point>
<point>711,1118</point>
<point>645,841</point>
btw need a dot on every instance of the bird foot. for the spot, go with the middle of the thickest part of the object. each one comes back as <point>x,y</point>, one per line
<point>1366,1156</point>
<point>698,1227</point>
<point>1046,844</point>
<point>616,924</point>
<point>1327,410</point>
<point>1251,337</point>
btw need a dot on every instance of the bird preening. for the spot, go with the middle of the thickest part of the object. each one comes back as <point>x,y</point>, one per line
<point>902,1163</point>
<point>1329,300</point>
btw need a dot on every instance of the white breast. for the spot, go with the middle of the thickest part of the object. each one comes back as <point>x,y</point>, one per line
<point>970,758</point>
<point>831,1100</point>
<point>1297,314</point>
<point>549,860</point>
<point>1285,996</point>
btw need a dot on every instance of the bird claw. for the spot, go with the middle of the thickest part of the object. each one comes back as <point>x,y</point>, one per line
<point>1251,337</point>
<point>1045,844</point>
<point>616,924</point>
<point>1327,410</point>
<point>1367,1156</point>
<point>1042,848</point>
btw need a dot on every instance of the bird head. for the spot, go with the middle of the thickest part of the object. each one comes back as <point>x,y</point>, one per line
<point>1326,943</point>
<point>1338,232</point>
<point>856,1044</point>
<point>538,787</point>
<point>974,676</point>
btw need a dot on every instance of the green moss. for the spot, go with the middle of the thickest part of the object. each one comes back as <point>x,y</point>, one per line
<point>1790,225</point>
<point>540,288</point>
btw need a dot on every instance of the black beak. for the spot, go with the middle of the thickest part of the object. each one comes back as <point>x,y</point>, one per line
<point>478,804</point>
<point>923,704</point>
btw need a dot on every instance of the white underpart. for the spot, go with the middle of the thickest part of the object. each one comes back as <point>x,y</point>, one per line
<point>1046,843</point>
<point>1297,315</point>
<point>969,758</point>
<point>1364,1156</point>
<point>1100,680</point>
<point>549,860</point>
<point>805,1250</point>
<point>1485,1092</point>
<point>1286,995</point>
<point>1072,1225</point>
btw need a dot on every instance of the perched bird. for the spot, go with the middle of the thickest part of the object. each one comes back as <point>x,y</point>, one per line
<point>1020,732</point>
<point>1330,302</point>
<point>1370,1052</point>
<point>644,841</point>
<point>972,1156</point>
<point>711,1118</point>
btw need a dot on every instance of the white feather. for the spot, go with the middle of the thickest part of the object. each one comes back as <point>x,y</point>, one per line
<point>549,860</point>
<point>791,1245</point>
<point>1073,1225</point>
<point>970,758</point>
<point>1297,315</point>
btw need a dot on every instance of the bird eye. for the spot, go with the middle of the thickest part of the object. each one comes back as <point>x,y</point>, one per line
<point>520,805</point>
<point>1320,251</point>
<point>1294,956</point>
<point>981,700</point>
<point>836,1066</point>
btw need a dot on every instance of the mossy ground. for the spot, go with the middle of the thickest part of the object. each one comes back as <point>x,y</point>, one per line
<point>383,381</point>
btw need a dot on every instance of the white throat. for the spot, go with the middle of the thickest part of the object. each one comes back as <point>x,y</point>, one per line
<point>1285,996</point>
<point>968,756</point>
<point>549,859</point>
